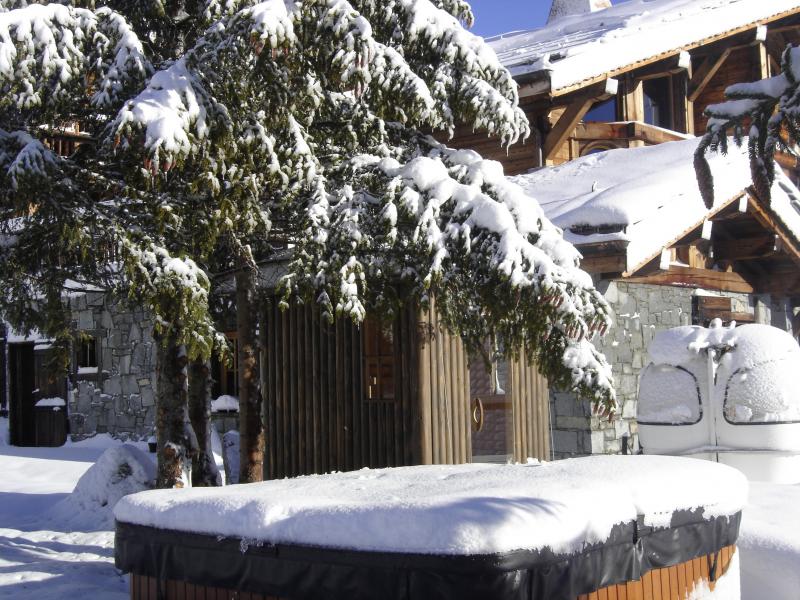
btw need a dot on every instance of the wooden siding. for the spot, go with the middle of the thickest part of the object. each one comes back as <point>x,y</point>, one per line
<point>671,583</point>
<point>530,399</point>
<point>740,66</point>
<point>317,416</point>
<point>444,394</point>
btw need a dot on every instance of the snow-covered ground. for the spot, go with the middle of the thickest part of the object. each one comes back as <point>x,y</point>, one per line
<point>44,555</point>
<point>41,555</point>
<point>769,542</point>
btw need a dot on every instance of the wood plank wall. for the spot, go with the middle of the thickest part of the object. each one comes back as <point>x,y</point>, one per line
<point>444,394</point>
<point>530,398</point>
<point>317,416</point>
<point>740,66</point>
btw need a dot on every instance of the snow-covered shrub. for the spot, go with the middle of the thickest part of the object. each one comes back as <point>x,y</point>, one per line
<point>230,456</point>
<point>120,470</point>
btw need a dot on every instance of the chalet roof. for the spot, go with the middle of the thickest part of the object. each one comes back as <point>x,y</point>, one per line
<point>647,197</point>
<point>582,48</point>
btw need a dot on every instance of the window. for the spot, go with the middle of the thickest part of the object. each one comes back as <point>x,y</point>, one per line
<point>657,104</point>
<point>602,112</point>
<point>87,352</point>
<point>763,393</point>
<point>668,396</point>
<point>378,360</point>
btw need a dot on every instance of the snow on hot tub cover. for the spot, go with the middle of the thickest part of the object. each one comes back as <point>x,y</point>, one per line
<point>451,510</point>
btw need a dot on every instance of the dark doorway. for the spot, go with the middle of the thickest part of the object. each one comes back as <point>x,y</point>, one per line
<point>21,375</point>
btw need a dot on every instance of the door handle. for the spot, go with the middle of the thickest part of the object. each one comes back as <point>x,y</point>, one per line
<point>477,415</point>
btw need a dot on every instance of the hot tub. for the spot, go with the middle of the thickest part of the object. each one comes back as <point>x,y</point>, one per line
<point>555,531</point>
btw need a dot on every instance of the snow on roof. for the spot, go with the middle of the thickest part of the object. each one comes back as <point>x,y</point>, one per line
<point>650,194</point>
<point>582,47</point>
<point>450,509</point>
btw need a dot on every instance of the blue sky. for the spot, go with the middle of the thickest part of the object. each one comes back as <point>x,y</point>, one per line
<point>500,16</point>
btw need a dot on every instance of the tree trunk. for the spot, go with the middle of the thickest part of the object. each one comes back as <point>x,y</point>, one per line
<point>251,427</point>
<point>204,468</point>
<point>176,440</point>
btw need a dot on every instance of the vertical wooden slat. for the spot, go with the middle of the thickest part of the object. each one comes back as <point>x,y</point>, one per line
<point>647,586</point>
<point>673,581</point>
<point>299,389</point>
<point>315,393</point>
<point>602,594</point>
<point>682,583</point>
<point>463,404</point>
<point>634,590</point>
<point>341,463</point>
<point>656,579</point>
<point>152,588</point>
<point>423,391</point>
<point>308,391</point>
<point>622,592</point>
<point>284,425</point>
<point>331,397</point>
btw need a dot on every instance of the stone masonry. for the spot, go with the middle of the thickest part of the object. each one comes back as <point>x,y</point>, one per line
<point>640,312</point>
<point>120,397</point>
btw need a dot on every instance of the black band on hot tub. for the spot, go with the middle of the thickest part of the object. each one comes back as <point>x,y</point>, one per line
<point>303,572</point>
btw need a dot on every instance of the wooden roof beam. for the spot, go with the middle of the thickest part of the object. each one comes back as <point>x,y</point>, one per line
<point>712,63</point>
<point>573,114</point>
<point>749,248</point>
<point>676,63</point>
<point>699,278</point>
<point>763,216</point>
<point>705,73</point>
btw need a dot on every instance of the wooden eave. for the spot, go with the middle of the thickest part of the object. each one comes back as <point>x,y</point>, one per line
<point>769,262</point>
<point>542,86</point>
<point>688,233</point>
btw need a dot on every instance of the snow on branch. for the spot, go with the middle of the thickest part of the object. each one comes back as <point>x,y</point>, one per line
<point>446,224</point>
<point>767,113</point>
<point>23,157</point>
<point>48,50</point>
<point>172,286</point>
<point>176,113</point>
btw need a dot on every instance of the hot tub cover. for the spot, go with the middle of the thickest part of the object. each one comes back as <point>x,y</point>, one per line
<point>489,531</point>
<point>450,509</point>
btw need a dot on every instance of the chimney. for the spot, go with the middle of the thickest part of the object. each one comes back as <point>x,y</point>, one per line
<point>567,8</point>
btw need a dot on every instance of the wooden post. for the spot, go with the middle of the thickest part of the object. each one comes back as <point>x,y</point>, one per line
<point>424,385</point>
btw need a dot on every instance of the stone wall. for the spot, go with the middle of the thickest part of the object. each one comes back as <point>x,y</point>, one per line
<point>640,312</point>
<point>120,398</point>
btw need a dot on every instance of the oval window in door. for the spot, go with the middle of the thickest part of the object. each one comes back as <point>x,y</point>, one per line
<point>766,392</point>
<point>668,396</point>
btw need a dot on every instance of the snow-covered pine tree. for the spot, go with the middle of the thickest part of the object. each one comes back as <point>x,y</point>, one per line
<point>308,115</point>
<point>331,96</point>
<point>767,113</point>
<point>72,220</point>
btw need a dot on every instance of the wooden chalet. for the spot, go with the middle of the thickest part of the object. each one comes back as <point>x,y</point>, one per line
<point>638,76</point>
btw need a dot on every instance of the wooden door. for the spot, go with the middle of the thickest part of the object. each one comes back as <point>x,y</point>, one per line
<point>21,398</point>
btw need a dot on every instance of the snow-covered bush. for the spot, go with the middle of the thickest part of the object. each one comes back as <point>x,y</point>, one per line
<point>119,471</point>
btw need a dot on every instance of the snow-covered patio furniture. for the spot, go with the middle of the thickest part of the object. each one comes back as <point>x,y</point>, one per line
<point>724,394</point>
<point>554,531</point>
